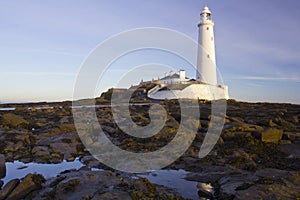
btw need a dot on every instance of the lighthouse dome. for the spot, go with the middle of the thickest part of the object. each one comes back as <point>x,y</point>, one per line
<point>206,10</point>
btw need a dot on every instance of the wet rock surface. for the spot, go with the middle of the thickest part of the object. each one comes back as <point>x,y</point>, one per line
<point>256,157</point>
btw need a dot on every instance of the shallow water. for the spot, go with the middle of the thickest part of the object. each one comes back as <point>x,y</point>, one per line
<point>7,109</point>
<point>174,179</point>
<point>18,169</point>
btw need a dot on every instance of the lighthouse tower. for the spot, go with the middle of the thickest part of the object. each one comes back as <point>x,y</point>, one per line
<point>206,85</point>
<point>206,61</point>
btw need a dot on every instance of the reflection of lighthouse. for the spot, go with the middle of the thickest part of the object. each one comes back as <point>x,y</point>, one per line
<point>206,63</point>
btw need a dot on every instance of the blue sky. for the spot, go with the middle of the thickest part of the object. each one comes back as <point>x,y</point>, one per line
<point>43,43</point>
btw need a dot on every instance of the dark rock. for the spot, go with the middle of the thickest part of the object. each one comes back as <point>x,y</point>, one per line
<point>30,183</point>
<point>2,166</point>
<point>8,188</point>
<point>112,195</point>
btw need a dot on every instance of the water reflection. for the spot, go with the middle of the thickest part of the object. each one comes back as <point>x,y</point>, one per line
<point>174,179</point>
<point>18,169</point>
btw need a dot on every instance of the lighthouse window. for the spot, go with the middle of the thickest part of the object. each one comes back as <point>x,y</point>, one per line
<point>207,28</point>
<point>208,55</point>
<point>212,38</point>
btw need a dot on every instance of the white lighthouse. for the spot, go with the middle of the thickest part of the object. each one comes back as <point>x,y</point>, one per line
<point>206,85</point>
<point>206,61</point>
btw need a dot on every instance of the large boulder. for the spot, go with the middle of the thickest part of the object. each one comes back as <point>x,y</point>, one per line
<point>2,166</point>
<point>30,183</point>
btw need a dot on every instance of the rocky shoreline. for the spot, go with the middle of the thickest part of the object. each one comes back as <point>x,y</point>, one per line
<point>257,155</point>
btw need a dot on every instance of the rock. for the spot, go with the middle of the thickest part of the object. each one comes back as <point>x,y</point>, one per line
<point>13,146</point>
<point>64,120</point>
<point>2,166</point>
<point>271,123</point>
<point>205,190</point>
<point>8,188</point>
<point>70,159</point>
<point>285,142</point>
<point>67,149</point>
<point>289,136</point>
<point>286,125</point>
<point>67,128</point>
<point>40,151</point>
<point>271,135</point>
<point>41,154</point>
<point>56,158</point>
<point>229,184</point>
<point>90,161</point>
<point>13,120</point>
<point>30,183</point>
<point>272,184</point>
<point>295,119</point>
<point>68,185</point>
<point>293,150</point>
<point>112,195</point>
